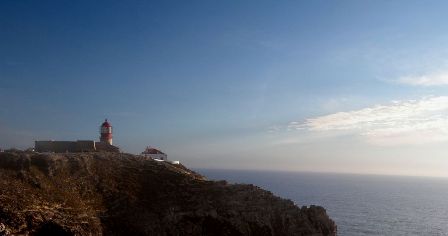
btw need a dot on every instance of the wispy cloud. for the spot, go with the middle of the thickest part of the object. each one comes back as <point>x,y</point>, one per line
<point>432,79</point>
<point>401,122</point>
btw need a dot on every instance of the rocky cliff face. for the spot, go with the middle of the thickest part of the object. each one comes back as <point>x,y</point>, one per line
<point>123,194</point>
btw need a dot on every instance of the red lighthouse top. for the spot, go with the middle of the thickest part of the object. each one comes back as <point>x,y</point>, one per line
<point>106,124</point>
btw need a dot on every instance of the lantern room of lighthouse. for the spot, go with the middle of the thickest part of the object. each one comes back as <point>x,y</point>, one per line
<point>106,132</point>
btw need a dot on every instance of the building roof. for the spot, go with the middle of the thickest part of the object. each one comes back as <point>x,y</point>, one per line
<point>106,124</point>
<point>150,150</point>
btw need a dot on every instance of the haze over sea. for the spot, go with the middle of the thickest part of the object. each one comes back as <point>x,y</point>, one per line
<point>359,204</point>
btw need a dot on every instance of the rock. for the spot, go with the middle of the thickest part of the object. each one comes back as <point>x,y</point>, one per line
<point>3,230</point>
<point>123,194</point>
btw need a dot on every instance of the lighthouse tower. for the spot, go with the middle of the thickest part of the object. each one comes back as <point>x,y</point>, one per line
<point>106,132</point>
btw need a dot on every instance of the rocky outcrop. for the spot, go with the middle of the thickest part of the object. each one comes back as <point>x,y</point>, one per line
<point>123,194</point>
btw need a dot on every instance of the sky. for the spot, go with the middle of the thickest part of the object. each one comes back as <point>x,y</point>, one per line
<point>322,86</point>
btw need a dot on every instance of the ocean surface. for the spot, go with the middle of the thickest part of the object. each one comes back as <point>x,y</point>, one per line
<point>359,204</point>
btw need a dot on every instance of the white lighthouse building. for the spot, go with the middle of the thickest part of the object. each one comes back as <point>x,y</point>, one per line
<point>106,132</point>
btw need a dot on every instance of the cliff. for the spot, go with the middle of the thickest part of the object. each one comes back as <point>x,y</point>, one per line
<point>123,194</point>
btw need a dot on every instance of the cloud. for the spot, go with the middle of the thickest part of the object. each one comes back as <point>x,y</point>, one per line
<point>433,79</point>
<point>400,122</point>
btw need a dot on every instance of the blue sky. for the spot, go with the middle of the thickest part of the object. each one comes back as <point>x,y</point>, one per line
<point>234,84</point>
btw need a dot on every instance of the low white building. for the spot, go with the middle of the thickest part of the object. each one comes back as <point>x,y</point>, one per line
<point>154,154</point>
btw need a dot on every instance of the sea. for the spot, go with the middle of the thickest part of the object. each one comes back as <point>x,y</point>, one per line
<point>359,204</point>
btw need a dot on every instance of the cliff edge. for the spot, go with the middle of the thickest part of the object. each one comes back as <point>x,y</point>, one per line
<point>123,194</point>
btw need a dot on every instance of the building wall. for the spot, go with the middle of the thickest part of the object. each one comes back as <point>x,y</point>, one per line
<point>55,146</point>
<point>106,147</point>
<point>85,146</point>
<point>65,146</point>
<point>157,156</point>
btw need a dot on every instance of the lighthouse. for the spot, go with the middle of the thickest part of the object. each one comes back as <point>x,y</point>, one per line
<point>106,132</point>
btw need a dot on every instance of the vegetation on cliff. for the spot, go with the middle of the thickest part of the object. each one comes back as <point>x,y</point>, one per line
<point>123,194</point>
